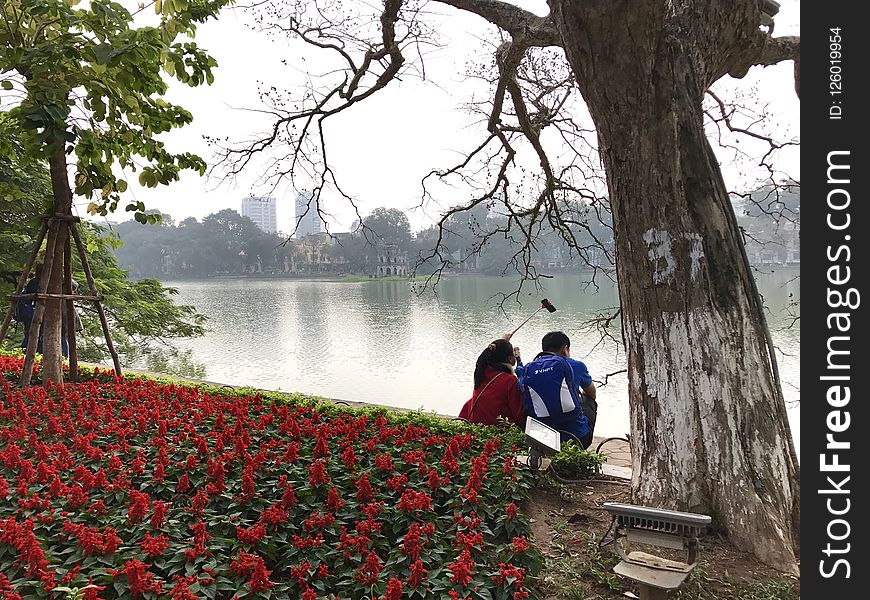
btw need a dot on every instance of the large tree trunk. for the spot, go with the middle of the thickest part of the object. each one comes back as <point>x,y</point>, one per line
<point>708,420</point>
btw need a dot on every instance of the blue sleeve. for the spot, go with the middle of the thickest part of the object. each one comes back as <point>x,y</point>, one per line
<point>520,372</point>
<point>581,373</point>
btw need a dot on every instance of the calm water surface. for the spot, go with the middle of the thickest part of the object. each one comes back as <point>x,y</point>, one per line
<point>381,342</point>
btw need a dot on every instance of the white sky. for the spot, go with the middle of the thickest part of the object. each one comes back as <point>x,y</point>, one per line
<point>384,146</point>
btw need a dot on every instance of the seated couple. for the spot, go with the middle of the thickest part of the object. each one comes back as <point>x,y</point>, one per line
<point>553,388</point>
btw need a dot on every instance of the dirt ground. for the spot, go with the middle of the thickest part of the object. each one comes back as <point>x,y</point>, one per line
<point>568,521</point>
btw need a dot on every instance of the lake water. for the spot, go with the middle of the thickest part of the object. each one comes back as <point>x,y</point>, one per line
<point>381,342</point>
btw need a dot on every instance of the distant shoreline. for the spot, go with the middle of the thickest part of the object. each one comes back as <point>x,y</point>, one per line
<point>293,277</point>
<point>762,269</point>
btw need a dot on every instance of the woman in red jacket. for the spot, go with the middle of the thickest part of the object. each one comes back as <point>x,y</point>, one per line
<point>496,393</point>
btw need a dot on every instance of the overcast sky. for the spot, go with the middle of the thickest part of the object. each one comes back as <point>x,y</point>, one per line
<point>383,147</point>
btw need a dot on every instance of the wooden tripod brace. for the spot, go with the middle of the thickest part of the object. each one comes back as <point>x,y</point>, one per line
<point>65,225</point>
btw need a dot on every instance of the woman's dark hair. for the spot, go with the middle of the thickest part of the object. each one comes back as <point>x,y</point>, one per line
<point>494,355</point>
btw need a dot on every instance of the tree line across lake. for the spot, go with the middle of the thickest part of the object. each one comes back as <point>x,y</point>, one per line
<point>227,243</point>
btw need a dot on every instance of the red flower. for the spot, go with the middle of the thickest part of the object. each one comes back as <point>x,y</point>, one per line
<point>30,553</point>
<point>469,541</point>
<point>183,484</point>
<point>274,515</point>
<point>248,483</point>
<point>252,565</point>
<point>140,503</point>
<point>411,543</point>
<point>321,448</point>
<point>318,474</point>
<point>92,540</point>
<point>412,500</point>
<point>511,510</point>
<point>199,502</point>
<point>418,574</point>
<point>521,544</point>
<point>252,535</point>
<point>139,578</point>
<point>154,546</point>
<point>384,462</point>
<point>159,514</point>
<point>348,457</point>
<point>181,589</point>
<point>291,455</point>
<point>159,473</point>
<point>333,501</point>
<point>309,541</point>
<point>318,521</point>
<point>463,569</point>
<point>288,498</point>
<point>300,573</point>
<point>394,590</point>
<point>509,571</point>
<point>368,573</point>
<point>434,480</point>
<point>397,482</point>
<point>363,488</point>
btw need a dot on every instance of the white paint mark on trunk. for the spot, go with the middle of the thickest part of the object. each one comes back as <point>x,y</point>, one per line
<point>660,247</point>
<point>696,252</point>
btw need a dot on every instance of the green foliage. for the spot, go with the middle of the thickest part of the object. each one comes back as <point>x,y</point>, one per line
<point>389,226</point>
<point>702,586</point>
<point>141,313</point>
<point>25,195</point>
<point>573,462</point>
<point>89,80</point>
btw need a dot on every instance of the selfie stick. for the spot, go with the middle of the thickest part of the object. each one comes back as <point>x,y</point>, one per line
<point>544,304</point>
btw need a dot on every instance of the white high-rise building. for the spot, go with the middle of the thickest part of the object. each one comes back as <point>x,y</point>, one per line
<point>307,219</point>
<point>261,211</point>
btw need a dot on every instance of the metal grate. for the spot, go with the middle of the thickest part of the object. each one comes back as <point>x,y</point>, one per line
<point>672,522</point>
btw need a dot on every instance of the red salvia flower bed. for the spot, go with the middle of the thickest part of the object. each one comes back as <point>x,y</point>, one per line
<point>128,488</point>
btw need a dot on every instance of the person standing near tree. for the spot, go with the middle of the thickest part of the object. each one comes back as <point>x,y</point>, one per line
<point>25,307</point>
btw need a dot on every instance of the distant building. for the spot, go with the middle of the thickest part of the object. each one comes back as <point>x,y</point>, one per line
<point>391,261</point>
<point>261,211</point>
<point>307,218</point>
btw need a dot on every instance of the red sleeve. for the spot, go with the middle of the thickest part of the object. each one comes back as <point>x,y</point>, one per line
<point>515,404</point>
<point>465,413</point>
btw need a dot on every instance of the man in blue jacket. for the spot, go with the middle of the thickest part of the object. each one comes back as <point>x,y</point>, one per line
<point>551,386</point>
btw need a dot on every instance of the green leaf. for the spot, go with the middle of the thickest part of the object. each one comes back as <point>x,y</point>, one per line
<point>6,84</point>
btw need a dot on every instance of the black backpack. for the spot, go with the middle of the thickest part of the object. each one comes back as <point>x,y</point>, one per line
<point>23,311</point>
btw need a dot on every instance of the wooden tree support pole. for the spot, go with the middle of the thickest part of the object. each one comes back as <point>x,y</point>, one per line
<point>39,310</point>
<point>93,289</point>
<point>21,280</point>
<point>647,592</point>
<point>70,308</point>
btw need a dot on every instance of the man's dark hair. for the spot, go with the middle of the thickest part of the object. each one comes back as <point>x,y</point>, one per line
<point>554,341</point>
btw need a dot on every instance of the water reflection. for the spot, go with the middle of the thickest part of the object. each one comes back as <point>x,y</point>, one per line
<point>380,342</point>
